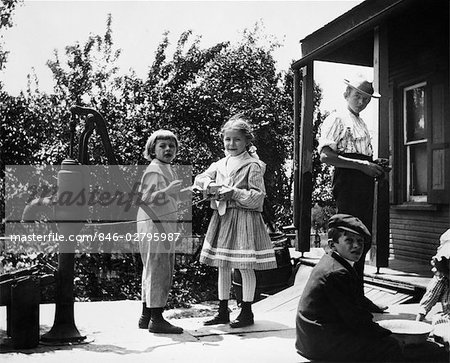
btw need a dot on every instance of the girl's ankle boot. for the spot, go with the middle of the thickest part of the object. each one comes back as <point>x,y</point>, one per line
<point>159,325</point>
<point>223,315</point>
<point>144,320</point>
<point>245,317</point>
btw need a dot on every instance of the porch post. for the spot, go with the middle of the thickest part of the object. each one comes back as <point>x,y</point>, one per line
<point>305,158</point>
<point>379,253</point>
<point>295,170</point>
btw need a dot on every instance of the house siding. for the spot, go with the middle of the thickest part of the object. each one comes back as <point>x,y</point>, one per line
<point>414,235</point>
<point>414,56</point>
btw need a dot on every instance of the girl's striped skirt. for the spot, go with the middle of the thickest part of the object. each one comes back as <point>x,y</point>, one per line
<point>238,239</point>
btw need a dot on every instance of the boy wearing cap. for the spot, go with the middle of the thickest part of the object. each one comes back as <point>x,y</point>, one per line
<point>345,143</point>
<point>333,320</point>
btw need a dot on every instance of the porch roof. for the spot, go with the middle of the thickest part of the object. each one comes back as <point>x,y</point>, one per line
<point>348,38</point>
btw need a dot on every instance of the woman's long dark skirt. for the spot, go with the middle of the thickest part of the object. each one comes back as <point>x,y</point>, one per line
<point>353,193</point>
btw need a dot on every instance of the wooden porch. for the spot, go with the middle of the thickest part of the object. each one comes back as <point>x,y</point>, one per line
<point>403,282</point>
<point>377,34</point>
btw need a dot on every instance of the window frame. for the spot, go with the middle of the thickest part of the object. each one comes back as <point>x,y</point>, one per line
<point>409,198</point>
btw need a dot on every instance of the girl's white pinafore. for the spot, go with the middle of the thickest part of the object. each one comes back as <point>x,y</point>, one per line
<point>237,236</point>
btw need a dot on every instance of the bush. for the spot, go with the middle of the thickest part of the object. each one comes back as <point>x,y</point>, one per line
<point>193,283</point>
<point>192,93</point>
<point>110,277</point>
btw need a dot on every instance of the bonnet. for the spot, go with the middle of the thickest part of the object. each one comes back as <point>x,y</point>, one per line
<point>443,250</point>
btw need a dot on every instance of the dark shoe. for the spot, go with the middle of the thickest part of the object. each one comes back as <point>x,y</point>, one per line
<point>242,321</point>
<point>245,317</point>
<point>218,319</point>
<point>144,320</point>
<point>223,315</point>
<point>163,327</point>
<point>160,325</point>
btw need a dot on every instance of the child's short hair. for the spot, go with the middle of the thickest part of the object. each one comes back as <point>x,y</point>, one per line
<point>239,122</point>
<point>149,151</point>
<point>334,234</point>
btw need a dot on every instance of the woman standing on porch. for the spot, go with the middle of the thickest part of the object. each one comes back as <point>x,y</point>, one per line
<point>345,143</point>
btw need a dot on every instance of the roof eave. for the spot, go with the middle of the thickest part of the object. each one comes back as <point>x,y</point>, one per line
<point>337,33</point>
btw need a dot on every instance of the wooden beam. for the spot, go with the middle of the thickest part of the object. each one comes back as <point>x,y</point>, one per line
<point>295,169</point>
<point>346,28</point>
<point>305,157</point>
<point>364,15</point>
<point>379,253</point>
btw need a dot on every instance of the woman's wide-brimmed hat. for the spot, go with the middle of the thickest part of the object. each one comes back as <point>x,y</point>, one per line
<point>362,85</point>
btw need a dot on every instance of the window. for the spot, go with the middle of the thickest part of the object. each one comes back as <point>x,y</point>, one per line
<point>415,142</point>
<point>421,174</point>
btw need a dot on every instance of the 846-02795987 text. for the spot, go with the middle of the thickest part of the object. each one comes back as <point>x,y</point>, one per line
<point>135,237</point>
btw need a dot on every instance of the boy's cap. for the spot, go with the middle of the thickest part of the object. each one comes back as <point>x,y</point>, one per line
<point>363,86</point>
<point>349,223</point>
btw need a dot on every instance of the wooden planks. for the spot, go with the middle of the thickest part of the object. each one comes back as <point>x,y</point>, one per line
<point>414,234</point>
<point>287,300</point>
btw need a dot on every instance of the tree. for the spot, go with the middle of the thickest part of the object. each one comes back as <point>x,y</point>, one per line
<point>322,197</point>
<point>192,92</point>
<point>90,69</point>
<point>7,8</point>
<point>322,173</point>
<point>198,90</point>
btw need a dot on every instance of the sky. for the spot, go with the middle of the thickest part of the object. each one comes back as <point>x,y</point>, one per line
<point>40,27</point>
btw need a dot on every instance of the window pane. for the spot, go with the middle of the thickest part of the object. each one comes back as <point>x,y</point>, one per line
<point>418,157</point>
<point>415,114</point>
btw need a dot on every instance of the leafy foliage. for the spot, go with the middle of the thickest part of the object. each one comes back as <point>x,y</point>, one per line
<point>105,277</point>
<point>192,92</point>
<point>193,282</point>
<point>322,173</point>
<point>322,196</point>
<point>7,8</point>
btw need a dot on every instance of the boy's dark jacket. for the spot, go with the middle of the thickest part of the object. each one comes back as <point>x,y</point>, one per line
<point>333,312</point>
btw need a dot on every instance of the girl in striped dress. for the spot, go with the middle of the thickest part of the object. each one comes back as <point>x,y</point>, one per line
<point>237,236</point>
